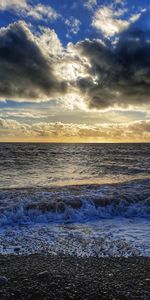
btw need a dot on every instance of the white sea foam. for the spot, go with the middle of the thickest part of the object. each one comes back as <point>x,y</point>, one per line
<point>122,237</point>
<point>75,203</point>
<point>89,220</point>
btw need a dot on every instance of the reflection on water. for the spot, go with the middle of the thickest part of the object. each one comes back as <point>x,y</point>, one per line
<point>55,164</point>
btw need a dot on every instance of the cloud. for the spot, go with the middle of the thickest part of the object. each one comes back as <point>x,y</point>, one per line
<point>134,131</point>
<point>22,114</point>
<point>12,4</point>
<point>91,74</point>
<point>49,42</point>
<point>116,77</point>
<point>26,71</point>
<point>90,4</point>
<point>73,24</point>
<point>110,21</point>
<point>21,7</point>
<point>42,12</point>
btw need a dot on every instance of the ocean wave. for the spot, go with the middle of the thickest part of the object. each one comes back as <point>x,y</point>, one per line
<point>75,203</point>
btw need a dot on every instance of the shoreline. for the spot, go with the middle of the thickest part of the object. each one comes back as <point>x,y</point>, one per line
<point>42,277</point>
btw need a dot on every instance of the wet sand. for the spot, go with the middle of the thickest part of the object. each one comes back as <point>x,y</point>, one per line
<point>42,277</point>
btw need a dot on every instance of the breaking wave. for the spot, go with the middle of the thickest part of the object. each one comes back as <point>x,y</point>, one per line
<point>75,203</point>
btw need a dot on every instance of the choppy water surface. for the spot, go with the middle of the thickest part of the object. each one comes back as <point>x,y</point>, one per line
<point>76,199</point>
<point>24,165</point>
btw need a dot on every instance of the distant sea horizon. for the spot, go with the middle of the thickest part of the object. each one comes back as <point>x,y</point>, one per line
<point>35,142</point>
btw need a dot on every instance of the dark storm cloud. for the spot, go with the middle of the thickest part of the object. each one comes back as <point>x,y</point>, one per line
<point>122,72</point>
<point>24,70</point>
<point>107,76</point>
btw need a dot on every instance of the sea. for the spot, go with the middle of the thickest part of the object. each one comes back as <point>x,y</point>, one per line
<point>75,199</point>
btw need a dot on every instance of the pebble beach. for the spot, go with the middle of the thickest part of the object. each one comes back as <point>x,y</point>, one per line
<point>60,277</point>
<point>80,228</point>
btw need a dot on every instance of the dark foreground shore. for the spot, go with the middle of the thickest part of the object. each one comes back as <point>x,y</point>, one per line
<point>42,277</point>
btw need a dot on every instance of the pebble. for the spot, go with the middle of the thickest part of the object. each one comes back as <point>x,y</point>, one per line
<point>16,249</point>
<point>43,274</point>
<point>3,280</point>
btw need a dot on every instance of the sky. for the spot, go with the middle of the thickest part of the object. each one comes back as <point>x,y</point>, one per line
<point>75,71</point>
